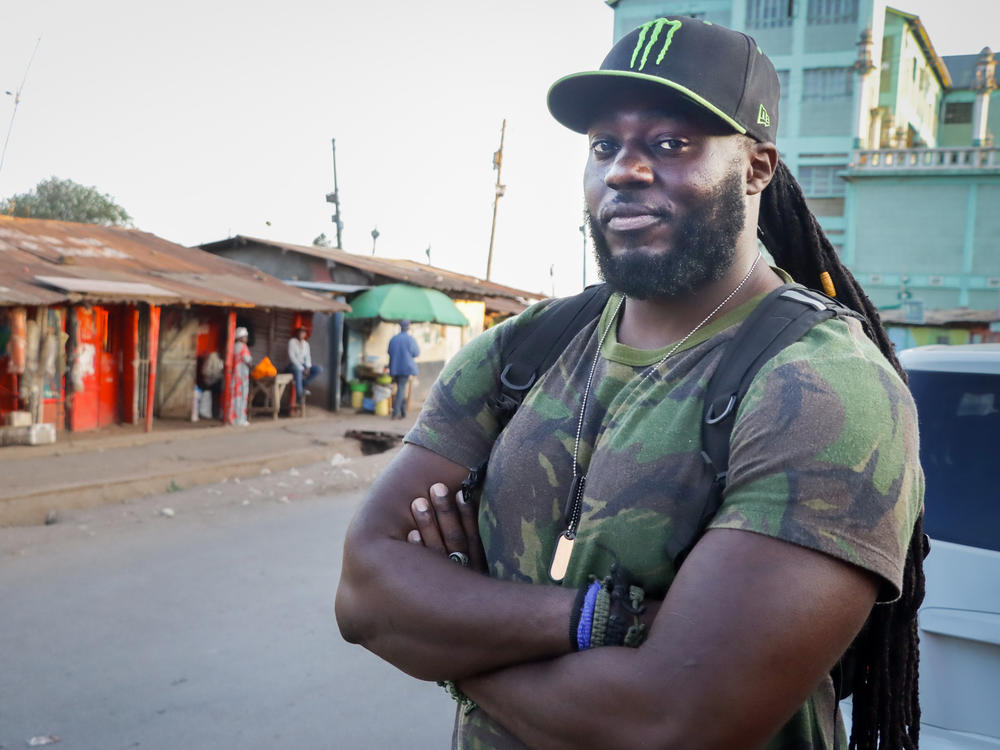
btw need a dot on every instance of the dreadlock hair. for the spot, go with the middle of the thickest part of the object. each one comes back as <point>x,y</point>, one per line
<point>884,680</point>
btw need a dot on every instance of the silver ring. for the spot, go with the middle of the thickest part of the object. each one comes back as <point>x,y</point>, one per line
<point>460,557</point>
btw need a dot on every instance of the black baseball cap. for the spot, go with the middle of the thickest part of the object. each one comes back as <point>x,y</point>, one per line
<point>721,70</point>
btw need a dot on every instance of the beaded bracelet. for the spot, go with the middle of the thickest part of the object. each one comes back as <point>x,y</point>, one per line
<point>587,617</point>
<point>601,612</point>
<point>602,609</point>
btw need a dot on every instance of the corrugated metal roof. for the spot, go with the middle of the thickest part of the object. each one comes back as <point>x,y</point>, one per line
<point>113,264</point>
<point>503,305</point>
<point>412,272</point>
<point>329,286</point>
<point>100,286</point>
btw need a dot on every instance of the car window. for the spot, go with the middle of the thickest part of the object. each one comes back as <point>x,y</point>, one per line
<point>959,416</point>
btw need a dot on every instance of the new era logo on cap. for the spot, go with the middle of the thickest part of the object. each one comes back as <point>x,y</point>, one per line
<point>763,118</point>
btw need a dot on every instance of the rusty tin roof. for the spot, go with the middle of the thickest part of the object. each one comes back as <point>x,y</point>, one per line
<point>419,274</point>
<point>44,262</point>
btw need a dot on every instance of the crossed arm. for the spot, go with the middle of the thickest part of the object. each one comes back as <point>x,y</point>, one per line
<point>750,624</point>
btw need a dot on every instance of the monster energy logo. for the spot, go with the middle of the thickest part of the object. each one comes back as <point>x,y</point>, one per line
<point>657,29</point>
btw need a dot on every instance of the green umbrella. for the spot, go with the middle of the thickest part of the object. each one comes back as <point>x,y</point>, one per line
<point>402,301</point>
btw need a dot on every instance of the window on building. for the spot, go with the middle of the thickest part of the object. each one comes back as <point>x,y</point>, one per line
<point>768,14</point>
<point>822,181</point>
<point>832,11</point>
<point>958,113</point>
<point>827,83</point>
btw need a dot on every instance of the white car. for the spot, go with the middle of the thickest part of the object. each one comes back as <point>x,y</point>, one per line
<point>957,391</point>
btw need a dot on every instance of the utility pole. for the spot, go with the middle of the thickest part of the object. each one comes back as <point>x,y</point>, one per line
<point>334,197</point>
<point>500,188</point>
<point>375,234</point>
<point>17,101</point>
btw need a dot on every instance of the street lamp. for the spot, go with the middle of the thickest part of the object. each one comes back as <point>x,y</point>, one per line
<point>374,238</point>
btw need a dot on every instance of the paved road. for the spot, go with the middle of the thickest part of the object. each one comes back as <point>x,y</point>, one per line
<point>213,628</point>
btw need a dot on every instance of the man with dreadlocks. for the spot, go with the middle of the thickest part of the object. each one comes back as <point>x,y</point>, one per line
<point>587,631</point>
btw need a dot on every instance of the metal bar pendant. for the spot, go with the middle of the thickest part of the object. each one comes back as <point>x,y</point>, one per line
<point>560,560</point>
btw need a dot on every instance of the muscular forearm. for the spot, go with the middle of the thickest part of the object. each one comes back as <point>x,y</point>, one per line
<point>436,620</point>
<point>421,612</point>
<point>591,699</point>
<point>749,628</point>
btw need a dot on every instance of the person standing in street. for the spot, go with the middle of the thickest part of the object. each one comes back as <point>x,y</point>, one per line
<point>402,351</point>
<point>574,594</point>
<point>300,362</point>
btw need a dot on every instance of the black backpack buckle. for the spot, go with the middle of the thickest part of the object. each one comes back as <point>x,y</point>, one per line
<point>505,381</point>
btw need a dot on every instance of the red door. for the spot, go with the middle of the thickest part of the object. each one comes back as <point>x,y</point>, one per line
<point>83,373</point>
<point>108,351</point>
<point>95,369</point>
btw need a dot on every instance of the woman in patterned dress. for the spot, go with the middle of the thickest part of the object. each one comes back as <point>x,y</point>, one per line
<point>239,386</point>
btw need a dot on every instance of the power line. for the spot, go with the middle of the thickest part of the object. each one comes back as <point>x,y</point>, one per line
<point>17,101</point>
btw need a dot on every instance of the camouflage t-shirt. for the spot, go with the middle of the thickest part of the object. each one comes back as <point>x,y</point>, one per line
<point>823,454</point>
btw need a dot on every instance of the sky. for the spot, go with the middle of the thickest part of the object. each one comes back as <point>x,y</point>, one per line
<point>210,118</point>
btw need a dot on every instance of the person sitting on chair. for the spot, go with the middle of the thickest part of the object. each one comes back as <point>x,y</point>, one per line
<point>300,362</point>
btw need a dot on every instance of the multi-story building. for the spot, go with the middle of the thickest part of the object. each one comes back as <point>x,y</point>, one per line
<point>890,142</point>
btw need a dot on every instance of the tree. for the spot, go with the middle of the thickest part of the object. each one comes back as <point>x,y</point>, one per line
<point>67,201</point>
<point>322,241</point>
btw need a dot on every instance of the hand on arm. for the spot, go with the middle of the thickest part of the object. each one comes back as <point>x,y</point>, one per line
<point>448,526</point>
<point>423,613</point>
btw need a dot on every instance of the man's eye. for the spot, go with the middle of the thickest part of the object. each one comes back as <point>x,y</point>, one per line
<point>602,147</point>
<point>670,144</point>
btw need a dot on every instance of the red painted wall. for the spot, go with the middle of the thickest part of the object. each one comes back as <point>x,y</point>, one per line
<point>130,365</point>
<point>8,388</point>
<point>83,401</point>
<point>109,350</point>
<point>96,367</point>
<point>210,331</point>
<point>154,346</point>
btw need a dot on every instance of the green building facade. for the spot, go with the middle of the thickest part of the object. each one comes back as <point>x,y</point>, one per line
<point>890,142</point>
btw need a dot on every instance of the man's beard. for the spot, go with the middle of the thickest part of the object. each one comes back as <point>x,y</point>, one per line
<point>702,249</point>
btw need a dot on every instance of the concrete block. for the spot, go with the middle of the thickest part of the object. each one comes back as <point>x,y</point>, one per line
<point>17,419</point>
<point>32,434</point>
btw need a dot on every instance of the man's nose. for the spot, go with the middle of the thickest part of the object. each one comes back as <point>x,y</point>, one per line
<point>630,168</point>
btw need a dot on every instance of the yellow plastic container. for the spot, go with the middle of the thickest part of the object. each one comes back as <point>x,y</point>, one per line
<point>382,408</point>
<point>357,397</point>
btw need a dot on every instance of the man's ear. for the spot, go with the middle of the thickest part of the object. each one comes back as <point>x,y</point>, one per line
<point>762,160</point>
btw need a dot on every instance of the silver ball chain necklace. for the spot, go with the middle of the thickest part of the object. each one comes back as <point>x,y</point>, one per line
<point>574,505</point>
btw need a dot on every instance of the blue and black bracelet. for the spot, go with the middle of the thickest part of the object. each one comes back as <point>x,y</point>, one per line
<point>586,624</point>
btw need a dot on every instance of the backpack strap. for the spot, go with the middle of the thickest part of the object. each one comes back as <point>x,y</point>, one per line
<point>528,351</point>
<point>783,317</point>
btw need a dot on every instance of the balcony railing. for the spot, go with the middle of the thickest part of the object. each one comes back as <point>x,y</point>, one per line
<point>922,159</point>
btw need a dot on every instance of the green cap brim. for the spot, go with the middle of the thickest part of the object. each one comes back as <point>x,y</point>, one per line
<point>575,100</point>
